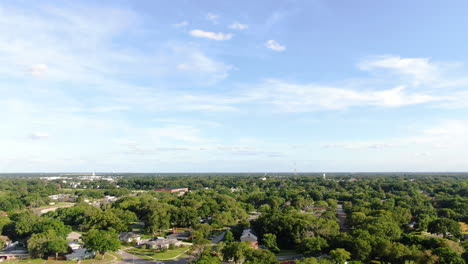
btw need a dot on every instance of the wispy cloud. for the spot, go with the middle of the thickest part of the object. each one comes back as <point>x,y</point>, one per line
<point>39,135</point>
<point>38,70</point>
<point>200,63</point>
<point>212,17</point>
<point>182,24</point>
<point>238,26</point>
<point>421,70</point>
<point>274,45</point>
<point>211,35</point>
<point>292,97</point>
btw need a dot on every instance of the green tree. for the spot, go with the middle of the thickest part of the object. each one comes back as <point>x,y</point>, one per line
<point>269,240</point>
<point>448,256</point>
<point>228,237</point>
<point>313,246</point>
<point>46,243</point>
<point>101,240</point>
<point>260,256</point>
<point>340,255</point>
<point>57,245</point>
<point>444,226</point>
<point>207,259</point>
<point>106,220</point>
<point>158,219</point>
<point>236,251</point>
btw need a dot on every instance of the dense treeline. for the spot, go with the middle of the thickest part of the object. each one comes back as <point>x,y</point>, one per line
<point>392,218</point>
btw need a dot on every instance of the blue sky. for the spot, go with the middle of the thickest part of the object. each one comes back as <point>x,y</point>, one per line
<point>226,86</point>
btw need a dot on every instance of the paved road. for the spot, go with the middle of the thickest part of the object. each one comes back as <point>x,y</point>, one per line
<point>342,218</point>
<point>130,258</point>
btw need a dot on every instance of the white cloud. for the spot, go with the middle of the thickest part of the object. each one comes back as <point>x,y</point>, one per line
<point>38,70</point>
<point>397,97</point>
<point>211,35</point>
<point>420,70</point>
<point>273,45</point>
<point>455,100</point>
<point>39,135</point>
<point>182,24</point>
<point>238,26</point>
<point>212,17</point>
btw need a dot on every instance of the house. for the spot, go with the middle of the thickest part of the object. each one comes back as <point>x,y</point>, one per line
<point>14,254</point>
<point>110,198</point>
<point>3,214</point>
<point>130,237</point>
<point>161,243</point>
<point>73,245</point>
<point>14,251</point>
<point>74,236</point>
<point>180,190</point>
<point>247,235</point>
<point>81,254</point>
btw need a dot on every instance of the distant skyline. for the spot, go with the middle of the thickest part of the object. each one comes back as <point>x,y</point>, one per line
<point>233,86</point>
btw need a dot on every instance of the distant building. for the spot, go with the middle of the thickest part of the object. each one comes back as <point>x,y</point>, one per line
<point>180,190</point>
<point>247,235</point>
<point>14,251</point>
<point>130,237</point>
<point>110,198</point>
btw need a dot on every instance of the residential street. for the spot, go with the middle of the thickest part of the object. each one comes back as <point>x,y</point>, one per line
<point>130,258</point>
<point>342,218</point>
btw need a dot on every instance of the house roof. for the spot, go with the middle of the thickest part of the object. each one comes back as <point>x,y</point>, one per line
<point>128,235</point>
<point>81,253</point>
<point>247,235</point>
<point>73,236</point>
<point>160,242</point>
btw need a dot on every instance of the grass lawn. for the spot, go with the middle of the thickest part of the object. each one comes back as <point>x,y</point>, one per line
<point>137,227</point>
<point>158,255</point>
<point>145,236</point>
